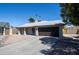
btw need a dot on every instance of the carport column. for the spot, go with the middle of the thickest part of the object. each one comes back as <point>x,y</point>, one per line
<point>24,31</point>
<point>4,31</point>
<point>10,31</point>
<point>60,31</point>
<point>18,31</point>
<point>36,31</point>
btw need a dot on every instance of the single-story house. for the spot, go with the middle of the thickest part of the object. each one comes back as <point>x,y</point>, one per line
<point>71,29</point>
<point>4,28</point>
<point>42,28</point>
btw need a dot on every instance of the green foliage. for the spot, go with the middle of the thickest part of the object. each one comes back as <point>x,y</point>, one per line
<point>31,20</point>
<point>70,13</point>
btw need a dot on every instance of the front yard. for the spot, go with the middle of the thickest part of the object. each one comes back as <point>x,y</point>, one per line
<point>40,45</point>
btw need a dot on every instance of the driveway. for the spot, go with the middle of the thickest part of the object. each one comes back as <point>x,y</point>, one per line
<point>31,46</point>
<point>37,45</point>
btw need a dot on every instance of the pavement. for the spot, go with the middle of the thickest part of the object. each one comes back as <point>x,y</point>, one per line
<point>30,45</point>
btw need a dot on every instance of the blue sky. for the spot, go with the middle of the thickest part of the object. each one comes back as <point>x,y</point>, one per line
<point>17,14</point>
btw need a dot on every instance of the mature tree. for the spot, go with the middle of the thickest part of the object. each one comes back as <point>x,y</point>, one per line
<point>31,20</point>
<point>70,13</point>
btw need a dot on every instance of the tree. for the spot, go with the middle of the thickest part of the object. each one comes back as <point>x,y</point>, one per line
<point>31,20</point>
<point>70,13</point>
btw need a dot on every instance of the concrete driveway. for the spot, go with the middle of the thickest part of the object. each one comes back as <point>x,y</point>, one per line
<point>31,46</point>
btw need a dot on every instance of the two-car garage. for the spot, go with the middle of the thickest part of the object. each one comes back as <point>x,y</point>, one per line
<point>46,31</point>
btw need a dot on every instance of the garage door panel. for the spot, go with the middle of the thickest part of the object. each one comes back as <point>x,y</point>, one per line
<point>45,33</point>
<point>49,31</point>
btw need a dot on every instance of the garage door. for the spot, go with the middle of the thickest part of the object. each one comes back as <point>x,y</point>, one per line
<point>49,31</point>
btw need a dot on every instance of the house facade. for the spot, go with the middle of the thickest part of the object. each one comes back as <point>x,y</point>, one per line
<point>71,29</point>
<point>43,28</point>
<point>4,28</point>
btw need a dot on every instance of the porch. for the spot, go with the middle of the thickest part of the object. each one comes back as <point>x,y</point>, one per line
<point>55,31</point>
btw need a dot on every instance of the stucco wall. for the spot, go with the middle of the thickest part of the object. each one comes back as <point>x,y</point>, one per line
<point>29,31</point>
<point>7,31</point>
<point>71,30</point>
<point>14,31</point>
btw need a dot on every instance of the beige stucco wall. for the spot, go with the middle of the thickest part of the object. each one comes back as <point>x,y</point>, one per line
<point>29,31</point>
<point>6,31</point>
<point>71,30</point>
<point>14,31</point>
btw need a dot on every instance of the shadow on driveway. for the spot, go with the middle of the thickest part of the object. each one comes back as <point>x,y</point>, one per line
<point>65,46</point>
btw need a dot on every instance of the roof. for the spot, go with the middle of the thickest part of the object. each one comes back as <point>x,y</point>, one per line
<point>42,23</point>
<point>69,26</point>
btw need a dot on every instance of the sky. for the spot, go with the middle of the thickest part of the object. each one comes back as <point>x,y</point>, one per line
<point>19,13</point>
